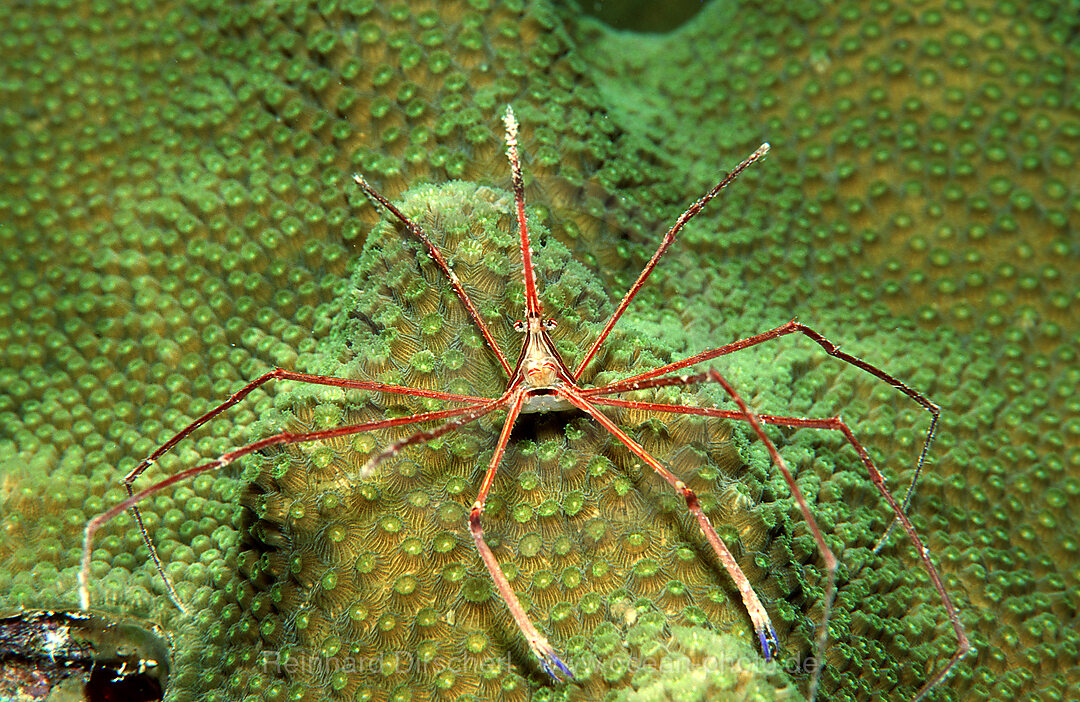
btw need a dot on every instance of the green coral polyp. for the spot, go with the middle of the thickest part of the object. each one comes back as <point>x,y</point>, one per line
<point>424,361</point>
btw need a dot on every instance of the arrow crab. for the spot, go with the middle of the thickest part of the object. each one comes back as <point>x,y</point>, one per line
<point>540,381</point>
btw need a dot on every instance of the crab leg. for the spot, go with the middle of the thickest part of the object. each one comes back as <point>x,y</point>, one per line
<point>638,382</point>
<point>667,241</point>
<point>538,643</point>
<point>832,423</point>
<point>282,438</point>
<point>760,618</point>
<point>440,261</point>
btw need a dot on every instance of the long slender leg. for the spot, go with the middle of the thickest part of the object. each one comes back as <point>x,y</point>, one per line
<point>425,435</point>
<point>826,553</point>
<point>282,374</point>
<point>666,242</point>
<point>225,459</point>
<point>276,374</point>
<point>170,589</point>
<point>539,644</point>
<point>758,616</point>
<point>440,261</point>
<point>792,327</point>
<point>836,424</point>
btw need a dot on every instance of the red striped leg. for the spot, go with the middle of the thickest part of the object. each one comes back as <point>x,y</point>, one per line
<point>539,644</point>
<point>758,616</point>
<point>836,424</point>
<point>638,382</point>
<point>282,374</point>
<point>666,242</point>
<point>440,261</point>
<point>283,438</point>
<point>826,553</point>
<point>276,374</point>
<point>425,435</point>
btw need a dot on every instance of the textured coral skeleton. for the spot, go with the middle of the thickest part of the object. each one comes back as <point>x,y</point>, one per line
<point>540,381</point>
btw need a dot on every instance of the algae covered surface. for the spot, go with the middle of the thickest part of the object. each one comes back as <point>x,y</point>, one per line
<point>178,216</point>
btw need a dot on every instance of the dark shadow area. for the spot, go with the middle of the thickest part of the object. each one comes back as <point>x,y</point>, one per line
<point>642,15</point>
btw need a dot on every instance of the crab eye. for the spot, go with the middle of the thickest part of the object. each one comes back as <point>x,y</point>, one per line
<point>519,325</point>
<point>550,324</point>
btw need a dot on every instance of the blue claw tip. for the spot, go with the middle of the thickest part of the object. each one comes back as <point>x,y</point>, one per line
<point>553,667</point>
<point>770,645</point>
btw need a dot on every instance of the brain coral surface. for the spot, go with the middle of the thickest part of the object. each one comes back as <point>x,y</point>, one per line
<point>178,216</point>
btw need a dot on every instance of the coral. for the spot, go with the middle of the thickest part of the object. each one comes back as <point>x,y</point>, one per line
<point>699,665</point>
<point>176,216</point>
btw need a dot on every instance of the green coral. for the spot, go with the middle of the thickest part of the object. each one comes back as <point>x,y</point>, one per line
<point>176,214</point>
<point>697,665</point>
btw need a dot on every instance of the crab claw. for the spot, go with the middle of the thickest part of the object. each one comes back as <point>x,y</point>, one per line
<point>770,645</point>
<point>553,665</point>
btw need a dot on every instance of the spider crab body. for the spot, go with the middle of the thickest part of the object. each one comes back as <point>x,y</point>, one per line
<point>540,370</point>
